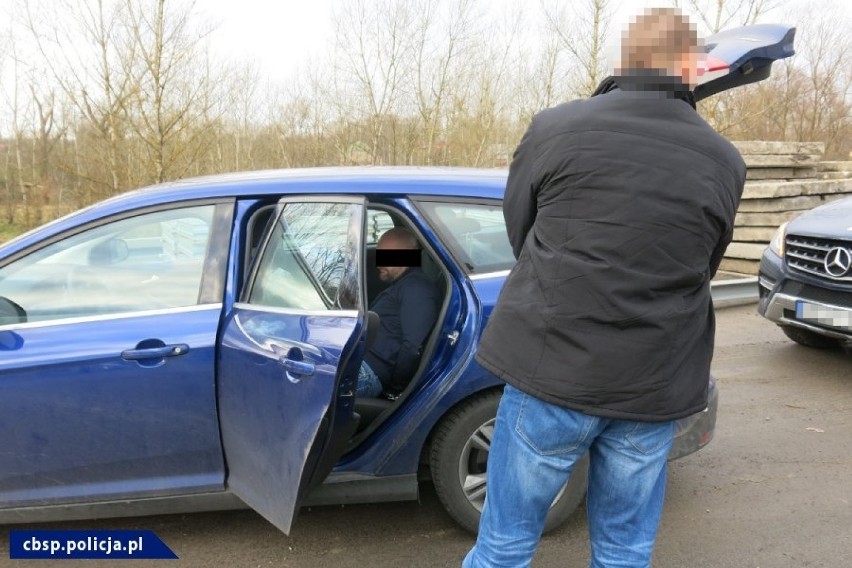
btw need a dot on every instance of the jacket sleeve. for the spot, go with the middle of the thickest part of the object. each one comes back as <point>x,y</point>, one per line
<point>418,304</point>
<point>727,237</point>
<point>719,252</point>
<point>519,201</point>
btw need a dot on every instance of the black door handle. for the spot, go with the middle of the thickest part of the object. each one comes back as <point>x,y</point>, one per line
<point>155,352</point>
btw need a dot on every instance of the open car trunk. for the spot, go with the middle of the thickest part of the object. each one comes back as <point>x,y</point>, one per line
<point>736,57</point>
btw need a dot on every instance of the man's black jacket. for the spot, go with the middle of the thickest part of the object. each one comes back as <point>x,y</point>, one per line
<point>407,310</point>
<point>619,209</point>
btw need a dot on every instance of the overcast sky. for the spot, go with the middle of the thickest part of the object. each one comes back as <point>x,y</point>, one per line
<point>284,36</point>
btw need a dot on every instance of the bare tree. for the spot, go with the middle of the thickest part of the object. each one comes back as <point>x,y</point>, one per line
<point>491,94</point>
<point>444,42</point>
<point>118,93</point>
<point>547,84</point>
<point>807,98</point>
<point>374,52</point>
<point>7,46</point>
<point>820,107</point>
<point>826,52</point>
<point>48,131</point>
<point>15,109</point>
<point>582,28</point>
<point>717,15</point>
<point>169,84</point>
<point>81,44</point>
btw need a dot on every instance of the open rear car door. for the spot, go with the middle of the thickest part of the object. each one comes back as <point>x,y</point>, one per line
<point>736,57</point>
<point>289,355</point>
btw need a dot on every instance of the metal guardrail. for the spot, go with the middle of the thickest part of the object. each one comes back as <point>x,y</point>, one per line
<point>734,292</point>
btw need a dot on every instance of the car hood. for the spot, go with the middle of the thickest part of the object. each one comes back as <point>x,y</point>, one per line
<point>832,220</point>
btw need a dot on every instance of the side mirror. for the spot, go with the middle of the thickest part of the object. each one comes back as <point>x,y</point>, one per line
<point>108,252</point>
<point>10,312</point>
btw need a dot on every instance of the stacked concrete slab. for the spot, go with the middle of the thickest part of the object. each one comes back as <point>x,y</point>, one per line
<point>783,179</point>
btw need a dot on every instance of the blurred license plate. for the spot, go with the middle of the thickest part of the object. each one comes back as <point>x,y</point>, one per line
<point>824,315</point>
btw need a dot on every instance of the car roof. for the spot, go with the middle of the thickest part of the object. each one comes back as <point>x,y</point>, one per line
<point>374,180</point>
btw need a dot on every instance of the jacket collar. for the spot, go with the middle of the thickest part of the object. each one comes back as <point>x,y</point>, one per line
<point>654,81</point>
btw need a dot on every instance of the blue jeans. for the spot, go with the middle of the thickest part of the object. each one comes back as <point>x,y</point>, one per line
<point>534,448</point>
<point>368,384</point>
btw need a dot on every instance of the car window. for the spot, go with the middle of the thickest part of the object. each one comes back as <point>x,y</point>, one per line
<point>310,260</point>
<point>151,261</point>
<point>378,222</point>
<point>476,233</point>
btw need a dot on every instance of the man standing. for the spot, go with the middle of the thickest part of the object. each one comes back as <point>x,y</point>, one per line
<point>619,209</point>
<point>407,310</point>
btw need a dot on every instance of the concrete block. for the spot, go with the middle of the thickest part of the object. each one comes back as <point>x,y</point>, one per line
<point>780,173</point>
<point>781,160</point>
<point>800,203</point>
<point>766,190</point>
<point>740,266</point>
<point>745,251</point>
<point>754,234</point>
<point>773,147</point>
<point>764,219</point>
<point>835,166</point>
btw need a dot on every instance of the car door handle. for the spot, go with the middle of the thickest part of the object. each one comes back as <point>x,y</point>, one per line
<point>297,367</point>
<point>155,352</point>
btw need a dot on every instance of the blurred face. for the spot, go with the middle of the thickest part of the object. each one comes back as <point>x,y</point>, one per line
<point>692,67</point>
<point>657,38</point>
<point>390,273</point>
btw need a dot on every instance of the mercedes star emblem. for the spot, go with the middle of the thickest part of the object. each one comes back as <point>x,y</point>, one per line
<point>837,261</point>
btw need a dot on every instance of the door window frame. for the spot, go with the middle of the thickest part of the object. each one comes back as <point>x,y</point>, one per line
<point>213,272</point>
<point>254,263</point>
<point>448,242</point>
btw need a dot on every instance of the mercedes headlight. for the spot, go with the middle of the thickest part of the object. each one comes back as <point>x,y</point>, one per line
<point>776,245</point>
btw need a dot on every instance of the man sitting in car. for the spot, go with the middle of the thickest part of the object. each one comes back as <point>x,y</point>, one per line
<point>407,310</point>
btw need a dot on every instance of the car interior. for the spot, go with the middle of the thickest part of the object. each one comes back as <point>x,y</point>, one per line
<point>371,412</point>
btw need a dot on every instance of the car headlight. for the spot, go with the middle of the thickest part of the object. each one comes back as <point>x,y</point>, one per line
<point>776,245</point>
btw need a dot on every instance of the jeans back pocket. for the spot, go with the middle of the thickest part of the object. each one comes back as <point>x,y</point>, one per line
<point>550,429</point>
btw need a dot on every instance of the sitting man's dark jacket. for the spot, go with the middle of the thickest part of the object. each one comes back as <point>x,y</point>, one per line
<point>407,309</point>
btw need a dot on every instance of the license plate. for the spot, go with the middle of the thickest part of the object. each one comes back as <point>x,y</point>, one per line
<point>823,315</point>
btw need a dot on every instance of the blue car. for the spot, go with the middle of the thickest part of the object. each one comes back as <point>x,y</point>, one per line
<point>194,346</point>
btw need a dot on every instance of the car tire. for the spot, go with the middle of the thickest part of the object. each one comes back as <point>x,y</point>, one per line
<point>459,454</point>
<point>809,338</point>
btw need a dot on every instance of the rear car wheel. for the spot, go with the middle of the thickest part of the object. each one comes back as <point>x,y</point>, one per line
<point>459,458</point>
<point>809,338</point>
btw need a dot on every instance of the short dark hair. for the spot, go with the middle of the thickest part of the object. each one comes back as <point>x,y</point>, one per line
<point>657,39</point>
